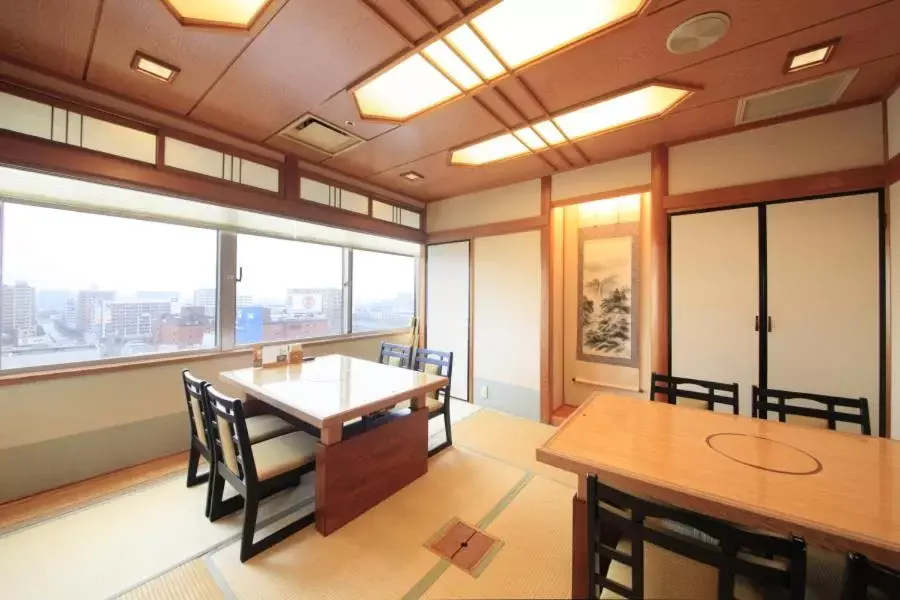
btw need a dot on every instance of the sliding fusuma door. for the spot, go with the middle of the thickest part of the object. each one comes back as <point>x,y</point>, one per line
<point>447,309</point>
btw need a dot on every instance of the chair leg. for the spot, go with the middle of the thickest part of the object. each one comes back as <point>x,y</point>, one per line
<point>447,429</point>
<point>251,504</point>
<point>193,465</point>
<point>209,490</point>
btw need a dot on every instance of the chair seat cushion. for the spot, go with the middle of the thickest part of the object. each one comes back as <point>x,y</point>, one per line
<point>670,575</point>
<point>263,427</point>
<point>283,453</point>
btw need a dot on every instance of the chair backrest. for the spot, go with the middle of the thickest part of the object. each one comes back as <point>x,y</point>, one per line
<point>193,394</point>
<point>436,362</point>
<point>230,440</point>
<point>396,355</point>
<point>862,574</point>
<point>712,392</point>
<point>765,560</point>
<point>811,406</point>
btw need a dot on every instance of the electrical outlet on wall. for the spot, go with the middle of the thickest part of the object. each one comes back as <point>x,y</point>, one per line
<point>484,392</point>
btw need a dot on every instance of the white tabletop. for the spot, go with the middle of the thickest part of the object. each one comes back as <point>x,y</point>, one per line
<point>333,389</point>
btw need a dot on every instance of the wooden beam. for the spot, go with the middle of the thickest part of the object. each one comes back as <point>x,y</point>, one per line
<point>617,193</point>
<point>659,248</point>
<point>501,228</point>
<point>546,303</point>
<point>51,157</point>
<point>852,180</point>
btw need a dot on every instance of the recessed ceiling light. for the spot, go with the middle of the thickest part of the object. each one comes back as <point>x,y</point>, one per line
<point>506,36</point>
<point>812,56</point>
<point>698,33</point>
<point>153,67</point>
<point>217,13</point>
<point>411,176</point>
<point>599,117</point>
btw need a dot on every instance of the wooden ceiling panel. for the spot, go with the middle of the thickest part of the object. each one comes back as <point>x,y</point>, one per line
<point>442,180</point>
<point>341,108</point>
<point>636,51</point>
<point>518,95</point>
<point>457,123</point>
<point>656,5</point>
<point>441,12</point>
<point>505,113</point>
<point>202,54</point>
<point>53,34</point>
<point>402,16</point>
<point>761,67</point>
<point>298,150</point>
<point>310,51</point>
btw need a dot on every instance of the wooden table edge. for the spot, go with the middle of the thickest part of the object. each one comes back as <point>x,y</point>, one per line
<point>823,536</point>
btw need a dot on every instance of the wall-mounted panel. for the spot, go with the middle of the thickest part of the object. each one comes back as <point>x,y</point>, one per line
<point>410,218</point>
<point>831,142</point>
<point>111,138</point>
<point>213,163</point>
<point>353,202</point>
<point>508,203</point>
<point>596,179</point>
<point>25,116</point>
<point>315,191</point>
<point>382,211</point>
<point>507,323</point>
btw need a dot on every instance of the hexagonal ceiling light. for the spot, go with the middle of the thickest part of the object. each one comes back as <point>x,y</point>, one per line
<point>233,14</point>
<point>502,38</point>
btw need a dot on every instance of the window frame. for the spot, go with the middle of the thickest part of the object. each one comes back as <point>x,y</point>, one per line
<point>226,298</point>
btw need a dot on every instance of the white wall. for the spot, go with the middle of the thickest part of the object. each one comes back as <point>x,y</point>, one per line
<point>893,124</point>
<point>507,333</point>
<point>508,203</point>
<point>604,177</point>
<point>894,275</point>
<point>61,430</point>
<point>831,142</point>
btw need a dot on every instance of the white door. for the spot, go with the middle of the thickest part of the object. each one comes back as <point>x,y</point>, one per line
<point>823,297</point>
<point>715,298</point>
<point>447,309</point>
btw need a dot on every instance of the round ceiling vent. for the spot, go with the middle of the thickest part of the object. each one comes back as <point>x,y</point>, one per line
<point>698,33</point>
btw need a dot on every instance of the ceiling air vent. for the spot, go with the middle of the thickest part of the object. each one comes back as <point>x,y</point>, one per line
<point>320,135</point>
<point>794,98</point>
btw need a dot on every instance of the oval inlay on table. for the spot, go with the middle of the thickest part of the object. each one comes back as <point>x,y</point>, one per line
<point>764,453</point>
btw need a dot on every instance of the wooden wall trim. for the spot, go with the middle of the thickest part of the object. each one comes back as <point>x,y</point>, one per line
<point>892,171</point>
<point>546,303</point>
<point>659,248</point>
<point>489,229</point>
<point>18,150</point>
<point>851,180</point>
<point>616,193</point>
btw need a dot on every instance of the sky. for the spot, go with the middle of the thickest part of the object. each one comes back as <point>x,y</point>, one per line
<point>57,249</point>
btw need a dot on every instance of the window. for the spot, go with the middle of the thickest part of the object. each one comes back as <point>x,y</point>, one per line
<point>384,291</point>
<point>288,290</point>
<point>80,287</point>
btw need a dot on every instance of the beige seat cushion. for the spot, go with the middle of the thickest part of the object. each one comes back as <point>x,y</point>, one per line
<point>803,421</point>
<point>264,427</point>
<point>672,576</point>
<point>691,403</point>
<point>824,574</point>
<point>432,403</point>
<point>283,453</point>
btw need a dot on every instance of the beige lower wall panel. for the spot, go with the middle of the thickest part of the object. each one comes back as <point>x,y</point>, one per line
<point>507,312</point>
<point>604,177</point>
<point>832,142</point>
<point>893,124</point>
<point>508,203</point>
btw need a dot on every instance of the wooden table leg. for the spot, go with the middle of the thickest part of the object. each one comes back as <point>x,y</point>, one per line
<point>332,434</point>
<point>354,475</point>
<point>417,402</point>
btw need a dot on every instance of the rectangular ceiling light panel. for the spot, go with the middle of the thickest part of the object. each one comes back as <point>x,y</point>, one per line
<point>521,31</point>
<point>408,88</point>
<point>153,67</point>
<point>506,36</point>
<point>228,13</point>
<point>810,57</point>
<point>644,103</point>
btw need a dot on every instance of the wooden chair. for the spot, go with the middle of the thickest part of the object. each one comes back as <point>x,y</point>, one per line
<point>256,471</point>
<point>862,575</point>
<point>794,407</point>
<point>260,428</point>
<point>668,552</point>
<point>396,355</point>
<point>712,394</point>
<point>440,363</point>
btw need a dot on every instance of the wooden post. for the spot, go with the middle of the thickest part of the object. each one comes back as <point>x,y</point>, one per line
<point>659,245</point>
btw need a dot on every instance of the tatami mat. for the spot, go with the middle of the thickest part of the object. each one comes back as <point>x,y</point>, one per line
<point>510,439</point>
<point>190,581</point>
<point>380,554</point>
<point>536,558</point>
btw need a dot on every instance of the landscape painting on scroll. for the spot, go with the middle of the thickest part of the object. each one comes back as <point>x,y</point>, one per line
<point>608,285</point>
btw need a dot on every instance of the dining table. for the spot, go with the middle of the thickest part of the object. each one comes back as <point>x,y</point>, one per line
<point>363,454</point>
<point>837,490</point>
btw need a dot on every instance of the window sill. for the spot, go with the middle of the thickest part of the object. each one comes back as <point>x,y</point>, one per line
<point>77,370</point>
